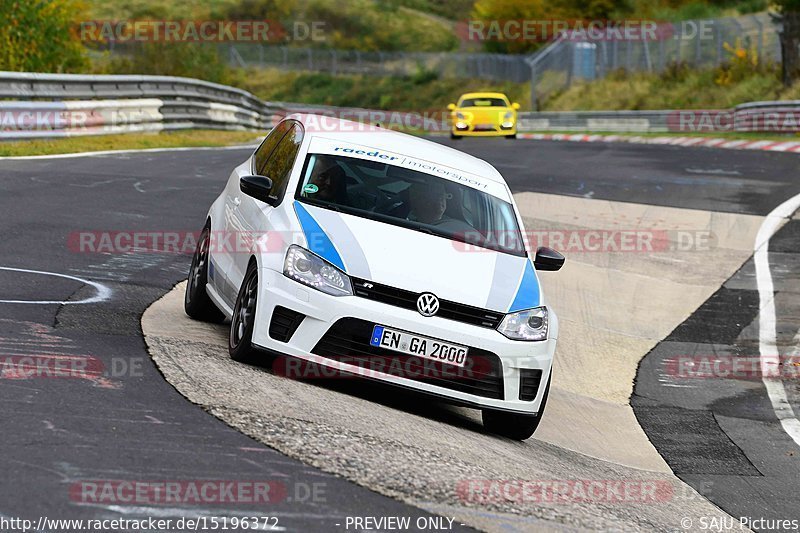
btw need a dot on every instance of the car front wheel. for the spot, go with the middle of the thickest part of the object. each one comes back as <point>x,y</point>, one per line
<point>240,340</point>
<point>515,426</point>
<point>196,301</point>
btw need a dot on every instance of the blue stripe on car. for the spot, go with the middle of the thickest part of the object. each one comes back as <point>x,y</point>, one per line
<point>318,240</point>
<point>508,270</point>
<point>346,242</point>
<point>528,291</point>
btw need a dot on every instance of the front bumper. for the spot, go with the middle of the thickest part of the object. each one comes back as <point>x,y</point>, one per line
<point>495,130</point>
<point>322,311</point>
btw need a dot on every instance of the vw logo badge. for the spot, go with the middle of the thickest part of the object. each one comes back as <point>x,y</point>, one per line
<point>427,304</point>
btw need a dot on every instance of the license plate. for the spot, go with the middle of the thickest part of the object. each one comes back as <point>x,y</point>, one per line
<point>484,127</point>
<point>425,347</point>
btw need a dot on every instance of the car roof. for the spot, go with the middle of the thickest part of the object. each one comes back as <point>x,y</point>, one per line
<point>397,142</point>
<point>483,95</point>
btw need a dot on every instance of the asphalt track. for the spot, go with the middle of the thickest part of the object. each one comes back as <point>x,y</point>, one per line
<point>126,422</point>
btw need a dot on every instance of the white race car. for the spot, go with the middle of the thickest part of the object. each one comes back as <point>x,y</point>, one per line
<point>368,252</point>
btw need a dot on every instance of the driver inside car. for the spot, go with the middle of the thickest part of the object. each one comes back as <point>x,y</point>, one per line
<point>331,185</point>
<point>428,205</point>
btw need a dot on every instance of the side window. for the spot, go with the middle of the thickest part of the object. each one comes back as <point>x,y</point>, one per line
<point>278,166</point>
<point>268,145</point>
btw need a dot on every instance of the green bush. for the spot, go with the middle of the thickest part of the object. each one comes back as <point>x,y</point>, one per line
<point>410,93</point>
<point>377,26</point>
<point>192,60</point>
<point>39,36</point>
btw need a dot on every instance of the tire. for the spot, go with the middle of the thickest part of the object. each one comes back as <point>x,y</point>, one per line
<point>514,425</point>
<point>514,136</point>
<point>454,136</point>
<point>196,302</point>
<point>240,339</point>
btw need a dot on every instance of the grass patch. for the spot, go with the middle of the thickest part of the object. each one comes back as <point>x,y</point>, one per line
<point>127,141</point>
<point>423,91</point>
<point>677,88</point>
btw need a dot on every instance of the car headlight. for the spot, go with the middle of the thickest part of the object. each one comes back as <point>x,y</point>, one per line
<point>528,325</point>
<point>310,269</point>
<point>508,120</point>
<point>460,116</point>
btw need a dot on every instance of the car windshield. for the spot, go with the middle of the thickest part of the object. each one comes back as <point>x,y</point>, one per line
<point>483,102</point>
<point>410,199</point>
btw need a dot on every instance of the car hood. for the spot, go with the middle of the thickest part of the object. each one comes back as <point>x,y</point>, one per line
<point>407,259</point>
<point>488,115</point>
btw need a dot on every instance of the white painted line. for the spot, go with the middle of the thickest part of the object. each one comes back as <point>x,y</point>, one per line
<point>767,333</point>
<point>115,152</point>
<point>103,292</point>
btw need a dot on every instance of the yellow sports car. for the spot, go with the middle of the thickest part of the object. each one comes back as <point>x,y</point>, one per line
<point>483,115</point>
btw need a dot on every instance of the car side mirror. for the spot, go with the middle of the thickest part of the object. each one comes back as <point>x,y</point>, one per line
<point>451,107</point>
<point>259,187</point>
<point>548,259</point>
<point>515,105</point>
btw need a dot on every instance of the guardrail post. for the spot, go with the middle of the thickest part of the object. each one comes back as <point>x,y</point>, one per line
<point>697,48</point>
<point>760,37</point>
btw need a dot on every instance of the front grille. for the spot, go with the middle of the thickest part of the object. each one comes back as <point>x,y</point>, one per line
<point>348,341</point>
<point>408,300</point>
<point>529,380</point>
<point>284,323</point>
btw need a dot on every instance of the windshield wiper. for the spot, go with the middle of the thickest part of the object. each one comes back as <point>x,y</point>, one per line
<point>423,229</point>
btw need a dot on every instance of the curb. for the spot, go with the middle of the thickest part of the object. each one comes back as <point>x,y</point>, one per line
<point>708,142</point>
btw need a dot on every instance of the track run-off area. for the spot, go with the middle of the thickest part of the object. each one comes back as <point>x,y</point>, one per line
<point>644,397</point>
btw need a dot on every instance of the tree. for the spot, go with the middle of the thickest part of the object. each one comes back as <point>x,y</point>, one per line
<point>40,36</point>
<point>790,39</point>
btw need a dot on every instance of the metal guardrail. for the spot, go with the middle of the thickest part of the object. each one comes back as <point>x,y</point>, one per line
<point>611,121</point>
<point>772,116</point>
<point>55,105</point>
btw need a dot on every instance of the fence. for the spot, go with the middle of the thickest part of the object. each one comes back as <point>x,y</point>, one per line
<point>700,43</point>
<point>573,57</point>
<point>53,105</point>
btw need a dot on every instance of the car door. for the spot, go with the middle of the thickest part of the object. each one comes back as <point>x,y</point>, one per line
<point>275,161</point>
